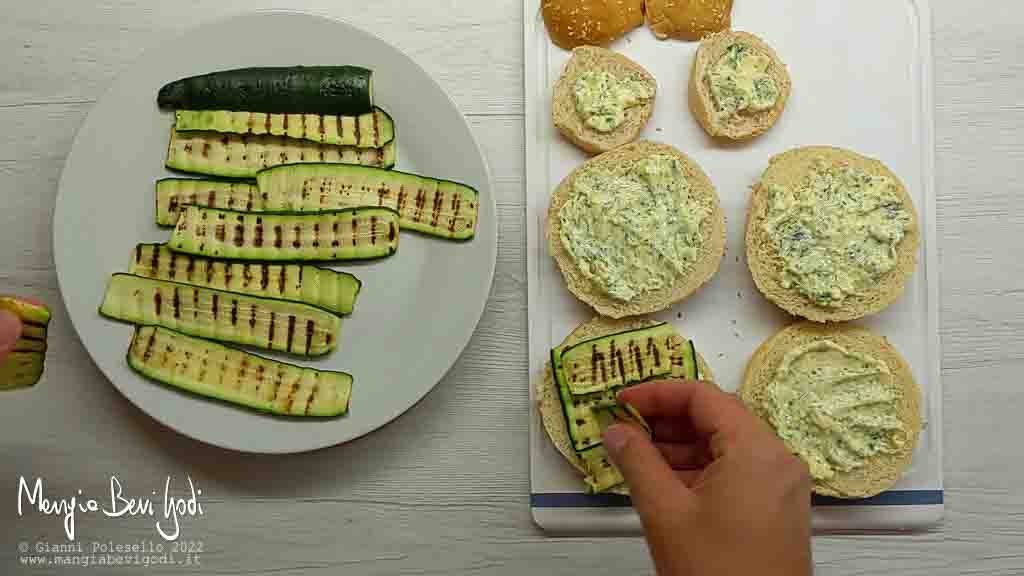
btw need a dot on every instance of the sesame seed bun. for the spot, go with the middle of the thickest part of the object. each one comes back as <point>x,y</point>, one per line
<point>688,19</point>
<point>574,23</point>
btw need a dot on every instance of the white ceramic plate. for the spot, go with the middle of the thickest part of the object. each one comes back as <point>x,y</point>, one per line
<point>417,309</point>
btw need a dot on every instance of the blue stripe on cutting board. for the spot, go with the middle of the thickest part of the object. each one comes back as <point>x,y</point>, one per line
<point>891,498</point>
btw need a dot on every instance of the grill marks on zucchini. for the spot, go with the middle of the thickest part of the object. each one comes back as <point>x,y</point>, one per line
<point>216,371</point>
<point>241,156</point>
<point>23,366</point>
<point>321,236</point>
<point>24,344</point>
<point>21,370</point>
<point>321,287</point>
<point>144,301</point>
<point>580,418</point>
<point>600,364</point>
<point>453,211</point>
<point>440,207</point>
<point>371,130</point>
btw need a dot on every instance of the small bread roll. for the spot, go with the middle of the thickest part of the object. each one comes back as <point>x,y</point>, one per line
<point>574,23</point>
<point>688,19</point>
<point>573,126</point>
<point>736,126</point>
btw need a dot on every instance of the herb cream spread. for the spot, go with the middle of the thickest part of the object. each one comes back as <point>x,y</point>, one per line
<point>636,232</point>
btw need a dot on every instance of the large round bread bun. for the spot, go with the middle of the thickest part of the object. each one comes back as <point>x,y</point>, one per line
<point>789,169</point>
<point>573,23</point>
<point>549,402</point>
<point>883,470</point>
<point>620,161</point>
<point>702,104</point>
<point>563,105</point>
<point>688,19</point>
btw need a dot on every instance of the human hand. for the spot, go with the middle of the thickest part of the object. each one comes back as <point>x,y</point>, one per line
<point>717,491</point>
<point>10,331</point>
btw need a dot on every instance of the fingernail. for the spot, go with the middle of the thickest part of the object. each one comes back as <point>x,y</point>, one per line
<point>615,438</point>
<point>10,330</point>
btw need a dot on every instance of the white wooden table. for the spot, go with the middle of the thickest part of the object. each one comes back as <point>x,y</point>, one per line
<point>443,490</point>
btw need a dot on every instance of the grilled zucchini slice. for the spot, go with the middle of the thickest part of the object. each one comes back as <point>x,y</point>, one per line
<point>227,316</point>
<point>589,413</point>
<point>28,312</point>
<point>33,331</point>
<point>601,475</point>
<point>173,193</point>
<point>371,130</point>
<point>429,205</point>
<point>321,287</point>
<point>216,371</point>
<point>24,344</point>
<point>622,359</point>
<point>353,234</point>
<point>21,370</point>
<point>580,413</point>
<point>240,156</point>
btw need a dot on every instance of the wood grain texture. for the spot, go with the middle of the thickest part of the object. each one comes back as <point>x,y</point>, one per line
<point>443,490</point>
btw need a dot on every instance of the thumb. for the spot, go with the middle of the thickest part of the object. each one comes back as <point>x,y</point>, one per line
<point>652,482</point>
<point>10,331</point>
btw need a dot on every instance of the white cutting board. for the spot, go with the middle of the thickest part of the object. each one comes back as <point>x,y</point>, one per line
<point>861,80</point>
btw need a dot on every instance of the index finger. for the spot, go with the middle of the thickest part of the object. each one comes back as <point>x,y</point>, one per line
<point>709,409</point>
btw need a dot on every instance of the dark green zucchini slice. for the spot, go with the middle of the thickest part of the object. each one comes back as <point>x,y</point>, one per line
<point>227,316</point>
<point>171,193</point>
<point>240,156</point>
<point>619,360</point>
<point>283,89</point>
<point>353,234</point>
<point>320,287</point>
<point>429,205</point>
<point>21,370</point>
<point>216,371</point>
<point>371,130</point>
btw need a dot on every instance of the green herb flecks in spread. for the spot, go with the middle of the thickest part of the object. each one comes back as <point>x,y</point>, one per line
<point>834,408</point>
<point>740,82</point>
<point>602,99</point>
<point>633,233</point>
<point>838,233</point>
